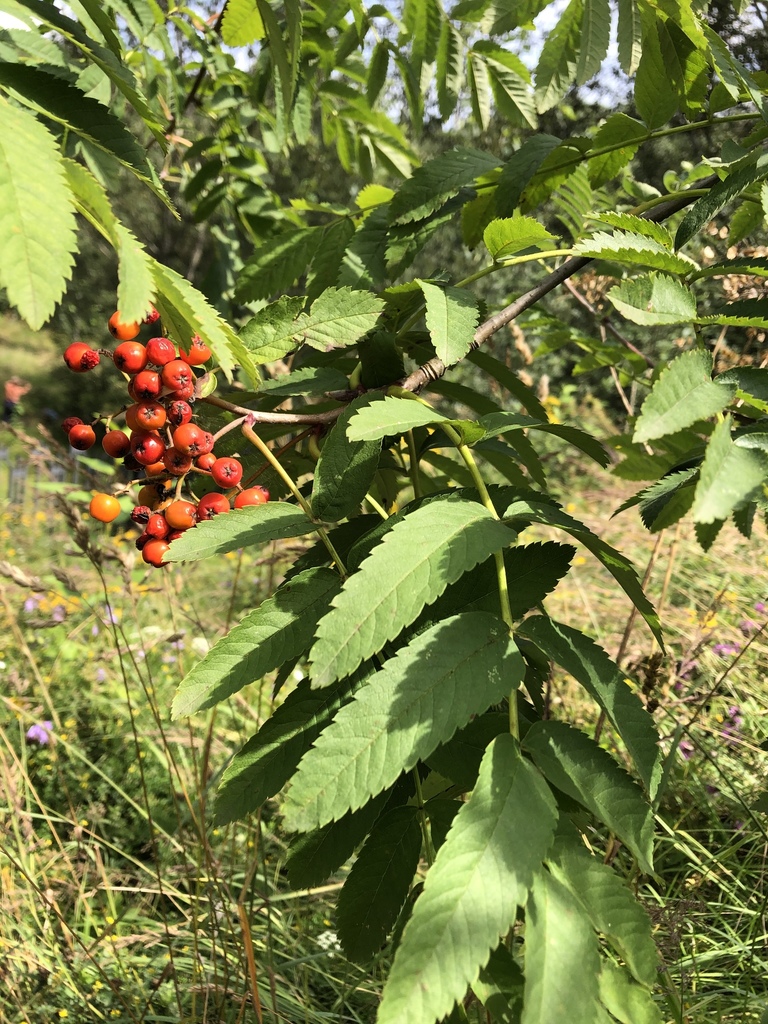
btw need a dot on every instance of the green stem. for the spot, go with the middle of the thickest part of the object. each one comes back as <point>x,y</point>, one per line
<point>266,451</point>
<point>429,850</point>
<point>498,557</point>
<point>376,506</point>
<point>413,464</point>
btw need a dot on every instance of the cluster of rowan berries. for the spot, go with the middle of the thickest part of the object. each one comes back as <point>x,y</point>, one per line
<point>161,442</point>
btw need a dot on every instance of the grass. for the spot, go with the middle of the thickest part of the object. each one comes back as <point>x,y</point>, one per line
<point>121,902</point>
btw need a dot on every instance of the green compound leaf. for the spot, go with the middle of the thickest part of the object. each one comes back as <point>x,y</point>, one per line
<point>496,423</point>
<point>557,65</point>
<point>595,36</point>
<point>431,185</point>
<point>56,99</point>
<point>584,771</point>
<point>654,299</point>
<point>730,475</point>
<point>309,380</point>
<point>345,469</point>
<point>278,630</point>
<point>481,874</point>
<point>638,225</point>
<point>511,235</point>
<point>747,313</point>
<point>620,567</point>
<point>136,286</point>
<point>452,316</point>
<point>704,209</point>
<point>262,767</point>
<point>562,962</point>
<point>683,394</point>
<point>428,690</point>
<point>339,317</point>
<point>449,70</point>
<point>608,901</point>
<point>242,24</point>
<point>314,856</point>
<point>629,36</point>
<point>240,528</point>
<point>618,130</point>
<point>634,249</point>
<point>37,219</point>
<point>392,416</point>
<point>269,335</point>
<point>605,681</point>
<point>276,265</point>
<point>417,559</point>
<point>627,1001</point>
<point>752,266</point>
<point>186,311</point>
<point>378,884</point>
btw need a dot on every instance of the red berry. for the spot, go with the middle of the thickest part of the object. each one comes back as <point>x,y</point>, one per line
<point>147,447</point>
<point>181,514</point>
<point>208,443</point>
<point>116,443</point>
<point>183,394</point>
<point>205,461</point>
<point>176,462</point>
<point>252,496</point>
<point>141,540</point>
<point>152,316</point>
<point>227,472</point>
<point>150,415</point>
<point>179,412</point>
<point>160,351</point>
<point>104,507</point>
<point>130,417</point>
<point>130,357</point>
<point>141,514</point>
<point>174,535</point>
<point>197,351</point>
<point>82,437</point>
<point>189,438</point>
<point>178,375</point>
<point>146,385</point>
<point>121,330</point>
<point>80,357</point>
<point>69,422</point>
<point>157,526</point>
<point>154,551</point>
<point>211,505</point>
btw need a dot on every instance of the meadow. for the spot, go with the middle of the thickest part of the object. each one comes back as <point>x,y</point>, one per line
<point>120,901</point>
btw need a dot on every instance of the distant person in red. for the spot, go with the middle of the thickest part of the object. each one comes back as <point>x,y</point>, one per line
<point>15,389</point>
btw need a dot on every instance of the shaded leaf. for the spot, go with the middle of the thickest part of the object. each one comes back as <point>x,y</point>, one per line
<point>575,764</point>
<point>269,335</point>
<point>595,36</point>
<point>276,265</point>
<point>417,559</point>
<point>377,886</point>
<point>628,1002</point>
<point>431,185</point>
<point>500,987</point>
<point>421,696</point>
<point>562,962</point>
<point>602,678</point>
<point>481,875</point>
<point>280,629</point>
<point>345,469</point>
<point>557,65</point>
<point>704,209</point>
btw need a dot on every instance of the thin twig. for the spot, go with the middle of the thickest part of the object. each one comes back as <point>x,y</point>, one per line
<point>434,369</point>
<point>329,416</point>
<point>605,322</point>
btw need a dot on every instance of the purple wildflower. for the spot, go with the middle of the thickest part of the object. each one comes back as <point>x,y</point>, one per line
<point>726,650</point>
<point>110,619</point>
<point>759,606</point>
<point>748,626</point>
<point>40,733</point>
<point>59,613</point>
<point>30,605</point>
<point>685,748</point>
<point>101,675</point>
<point>94,630</point>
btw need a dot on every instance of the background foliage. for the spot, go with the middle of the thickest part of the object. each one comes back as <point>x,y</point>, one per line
<point>368,213</point>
